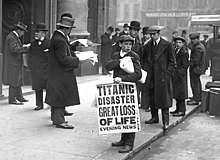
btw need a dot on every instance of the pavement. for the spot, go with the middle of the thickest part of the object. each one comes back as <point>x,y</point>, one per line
<point>26,134</point>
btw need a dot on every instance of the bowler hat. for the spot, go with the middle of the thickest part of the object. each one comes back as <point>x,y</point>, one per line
<point>153,29</point>
<point>179,38</point>
<point>194,35</point>
<point>145,30</point>
<point>135,25</point>
<point>21,26</point>
<point>110,28</point>
<point>125,25</point>
<point>67,22</point>
<point>66,15</point>
<point>205,35</point>
<point>124,38</point>
<point>117,29</point>
<point>41,27</point>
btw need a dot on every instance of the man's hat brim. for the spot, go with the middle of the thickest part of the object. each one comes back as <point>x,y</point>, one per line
<point>16,25</point>
<point>63,25</point>
<point>179,38</point>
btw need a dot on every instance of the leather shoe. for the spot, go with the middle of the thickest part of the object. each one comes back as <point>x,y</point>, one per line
<point>179,114</point>
<point>151,121</point>
<point>172,112</point>
<point>16,102</point>
<point>165,126</point>
<point>64,126</point>
<point>38,108</point>
<point>125,149</point>
<point>68,114</point>
<point>192,102</point>
<point>118,144</point>
<point>23,100</point>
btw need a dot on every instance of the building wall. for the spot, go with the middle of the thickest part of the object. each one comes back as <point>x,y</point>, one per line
<point>175,14</point>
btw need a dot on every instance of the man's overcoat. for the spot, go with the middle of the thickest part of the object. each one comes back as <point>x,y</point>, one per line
<point>62,87</point>
<point>160,67</point>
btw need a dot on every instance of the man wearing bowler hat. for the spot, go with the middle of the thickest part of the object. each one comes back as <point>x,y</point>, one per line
<point>38,63</point>
<point>13,62</point>
<point>146,36</point>
<point>196,68</point>
<point>160,63</point>
<point>62,89</point>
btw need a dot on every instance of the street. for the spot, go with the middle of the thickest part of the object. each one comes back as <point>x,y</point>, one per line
<point>197,138</point>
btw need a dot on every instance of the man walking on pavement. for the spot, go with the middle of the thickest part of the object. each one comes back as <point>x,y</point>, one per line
<point>159,61</point>
<point>196,69</point>
<point>38,63</point>
<point>13,63</point>
<point>62,89</point>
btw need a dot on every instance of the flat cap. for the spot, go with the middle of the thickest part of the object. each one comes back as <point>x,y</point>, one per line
<point>124,38</point>
<point>194,35</point>
<point>153,29</point>
<point>179,38</point>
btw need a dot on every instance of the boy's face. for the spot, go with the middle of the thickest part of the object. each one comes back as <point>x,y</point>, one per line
<point>126,46</point>
<point>179,43</point>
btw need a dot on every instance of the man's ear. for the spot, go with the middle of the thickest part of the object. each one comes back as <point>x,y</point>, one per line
<point>120,44</point>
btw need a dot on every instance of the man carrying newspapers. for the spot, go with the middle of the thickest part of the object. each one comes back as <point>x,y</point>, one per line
<point>126,68</point>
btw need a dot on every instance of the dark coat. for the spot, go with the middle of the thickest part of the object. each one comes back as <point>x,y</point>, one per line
<point>206,54</point>
<point>123,33</point>
<point>13,61</point>
<point>62,87</point>
<point>38,63</point>
<point>179,80</point>
<point>160,68</point>
<point>118,72</point>
<point>106,48</point>
<point>197,59</point>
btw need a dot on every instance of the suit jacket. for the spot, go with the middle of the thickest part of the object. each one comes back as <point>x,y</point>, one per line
<point>62,87</point>
<point>179,80</point>
<point>113,64</point>
<point>123,33</point>
<point>13,61</point>
<point>38,63</point>
<point>160,68</point>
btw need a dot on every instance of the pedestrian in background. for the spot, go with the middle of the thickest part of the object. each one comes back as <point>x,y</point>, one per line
<point>146,36</point>
<point>106,48</point>
<point>205,44</point>
<point>13,63</point>
<point>116,36</point>
<point>196,69</point>
<point>179,80</point>
<point>125,30</point>
<point>119,75</point>
<point>160,63</point>
<point>38,63</point>
<point>62,89</point>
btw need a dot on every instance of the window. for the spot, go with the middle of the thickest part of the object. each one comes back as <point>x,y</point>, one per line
<point>167,4</point>
<point>200,3</point>
<point>182,4</point>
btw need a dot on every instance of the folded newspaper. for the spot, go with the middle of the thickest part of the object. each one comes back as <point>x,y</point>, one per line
<point>82,41</point>
<point>87,55</point>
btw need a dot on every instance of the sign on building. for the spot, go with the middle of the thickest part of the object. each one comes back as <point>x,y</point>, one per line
<point>117,106</point>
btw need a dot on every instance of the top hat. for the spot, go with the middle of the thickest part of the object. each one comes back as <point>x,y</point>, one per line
<point>66,22</point>
<point>135,25</point>
<point>21,26</point>
<point>153,29</point>
<point>41,27</point>
<point>179,38</point>
<point>124,38</point>
<point>125,25</point>
<point>194,35</point>
<point>145,30</point>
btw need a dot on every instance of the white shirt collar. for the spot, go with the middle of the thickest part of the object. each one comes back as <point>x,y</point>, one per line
<point>61,32</point>
<point>158,40</point>
<point>122,54</point>
<point>16,33</point>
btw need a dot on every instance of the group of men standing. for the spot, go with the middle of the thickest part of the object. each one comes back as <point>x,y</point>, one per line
<point>52,63</point>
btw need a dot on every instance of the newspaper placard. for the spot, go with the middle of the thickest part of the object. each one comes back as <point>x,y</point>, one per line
<point>117,106</point>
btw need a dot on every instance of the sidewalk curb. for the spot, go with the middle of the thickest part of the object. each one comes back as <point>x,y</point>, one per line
<point>157,136</point>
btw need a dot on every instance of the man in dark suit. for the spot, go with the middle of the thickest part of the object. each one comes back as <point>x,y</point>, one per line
<point>196,68</point>
<point>62,90</point>
<point>179,80</point>
<point>106,48</point>
<point>125,30</point>
<point>38,63</point>
<point>13,62</point>
<point>159,61</point>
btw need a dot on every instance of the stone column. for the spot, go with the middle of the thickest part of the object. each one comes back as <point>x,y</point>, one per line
<point>1,55</point>
<point>79,10</point>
